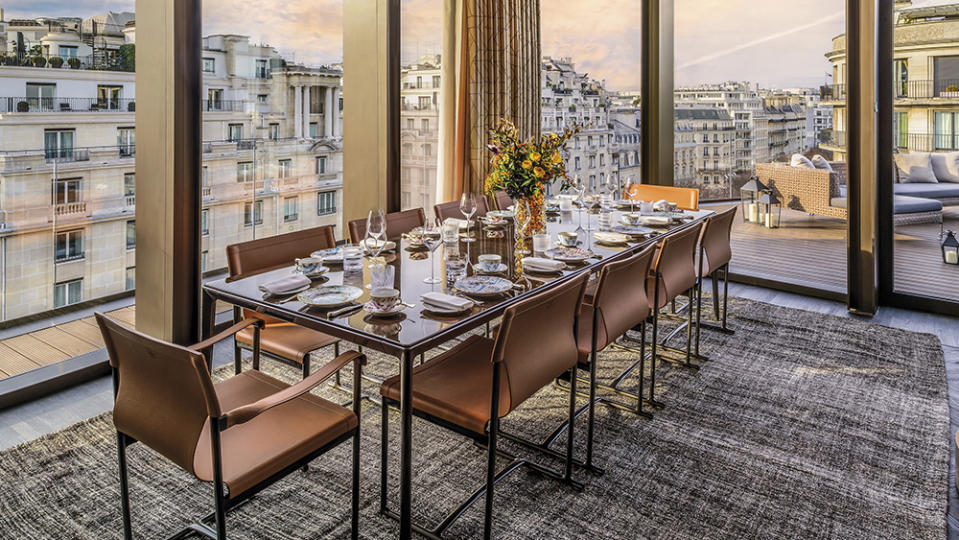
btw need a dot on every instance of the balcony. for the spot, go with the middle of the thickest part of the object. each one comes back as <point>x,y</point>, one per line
<point>10,105</point>
<point>945,89</point>
<point>46,61</point>
<point>222,105</point>
<point>73,208</point>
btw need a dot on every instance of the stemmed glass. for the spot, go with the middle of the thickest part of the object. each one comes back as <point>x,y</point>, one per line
<point>629,185</point>
<point>468,208</point>
<point>432,238</point>
<point>580,188</point>
<point>521,220</point>
<point>375,235</point>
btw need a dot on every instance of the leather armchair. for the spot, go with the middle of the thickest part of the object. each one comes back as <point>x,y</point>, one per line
<point>242,434</point>
<point>397,224</point>
<point>452,209</point>
<point>715,254</point>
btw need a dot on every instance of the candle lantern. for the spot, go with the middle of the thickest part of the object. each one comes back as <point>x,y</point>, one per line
<point>770,209</point>
<point>950,248</point>
<point>749,194</point>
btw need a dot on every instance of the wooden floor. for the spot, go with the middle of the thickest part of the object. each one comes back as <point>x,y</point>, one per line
<point>811,250</point>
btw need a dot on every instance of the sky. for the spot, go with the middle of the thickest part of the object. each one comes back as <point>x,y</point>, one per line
<point>778,43</point>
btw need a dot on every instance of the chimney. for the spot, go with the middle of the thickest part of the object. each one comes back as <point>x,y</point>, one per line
<point>1,15</point>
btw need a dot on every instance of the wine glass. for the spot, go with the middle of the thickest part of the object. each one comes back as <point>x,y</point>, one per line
<point>468,208</point>
<point>432,238</point>
<point>580,188</point>
<point>521,220</point>
<point>629,185</point>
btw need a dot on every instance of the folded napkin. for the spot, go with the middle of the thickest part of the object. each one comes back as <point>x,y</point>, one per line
<point>655,220</point>
<point>389,244</point>
<point>286,285</point>
<point>543,265</point>
<point>446,301</point>
<point>461,223</point>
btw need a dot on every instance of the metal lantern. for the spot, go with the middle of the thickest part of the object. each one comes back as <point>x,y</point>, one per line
<point>770,209</point>
<point>950,248</point>
<point>749,194</point>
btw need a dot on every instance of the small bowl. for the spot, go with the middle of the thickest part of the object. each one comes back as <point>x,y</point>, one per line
<point>568,239</point>
<point>489,262</point>
<point>385,299</point>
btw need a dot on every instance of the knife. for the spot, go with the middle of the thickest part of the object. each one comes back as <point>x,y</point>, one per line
<point>343,311</point>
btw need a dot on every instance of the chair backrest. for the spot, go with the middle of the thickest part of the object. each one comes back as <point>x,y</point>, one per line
<point>397,224</point>
<point>621,299</point>
<point>537,340</point>
<point>684,198</point>
<point>452,209</point>
<point>262,254</point>
<point>165,394</point>
<point>503,200</point>
<point>676,263</point>
<point>715,238</point>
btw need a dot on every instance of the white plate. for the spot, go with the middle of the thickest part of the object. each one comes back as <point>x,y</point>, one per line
<point>330,296</point>
<point>499,270</point>
<point>287,293</point>
<point>329,256</point>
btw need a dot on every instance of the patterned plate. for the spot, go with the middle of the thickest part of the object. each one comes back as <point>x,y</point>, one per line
<point>569,254</point>
<point>330,296</point>
<point>483,285</point>
<point>632,230</point>
<point>329,256</point>
<point>371,308</point>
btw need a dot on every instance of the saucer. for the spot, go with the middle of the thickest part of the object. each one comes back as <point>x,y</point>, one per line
<point>499,269</point>
<point>315,274</point>
<point>377,312</point>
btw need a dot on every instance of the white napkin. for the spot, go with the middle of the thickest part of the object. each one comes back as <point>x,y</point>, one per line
<point>544,265</point>
<point>285,285</point>
<point>661,204</point>
<point>655,220</point>
<point>460,223</point>
<point>446,301</point>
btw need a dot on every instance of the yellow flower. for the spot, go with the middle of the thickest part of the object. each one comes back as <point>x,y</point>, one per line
<point>535,156</point>
<point>538,172</point>
<point>556,157</point>
<point>527,164</point>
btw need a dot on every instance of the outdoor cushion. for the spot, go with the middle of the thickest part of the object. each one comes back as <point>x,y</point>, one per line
<point>801,161</point>
<point>945,190</point>
<point>821,163</point>
<point>915,167</point>
<point>946,166</point>
<point>901,204</point>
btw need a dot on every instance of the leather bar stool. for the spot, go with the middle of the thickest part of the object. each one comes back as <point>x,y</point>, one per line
<point>684,198</point>
<point>452,209</point>
<point>715,253</point>
<point>468,388</point>
<point>279,339</point>
<point>397,224</point>
<point>242,434</point>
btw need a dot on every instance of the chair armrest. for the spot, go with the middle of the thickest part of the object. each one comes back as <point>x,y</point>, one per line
<point>209,342</point>
<point>248,412</point>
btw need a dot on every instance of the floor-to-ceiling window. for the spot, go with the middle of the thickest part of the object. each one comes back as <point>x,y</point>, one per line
<point>925,186</point>
<point>762,96</point>
<point>272,157</point>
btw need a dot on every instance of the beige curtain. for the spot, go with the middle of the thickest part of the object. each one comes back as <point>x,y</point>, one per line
<point>495,75</point>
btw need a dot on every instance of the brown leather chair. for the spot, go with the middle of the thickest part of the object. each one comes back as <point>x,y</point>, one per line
<point>452,209</point>
<point>397,224</point>
<point>673,274</point>
<point>468,388</point>
<point>503,200</point>
<point>715,253</point>
<point>242,434</point>
<point>279,339</point>
<point>684,198</point>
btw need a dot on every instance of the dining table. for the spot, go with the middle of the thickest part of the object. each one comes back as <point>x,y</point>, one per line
<point>417,330</point>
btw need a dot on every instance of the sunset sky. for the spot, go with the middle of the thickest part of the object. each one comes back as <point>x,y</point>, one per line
<point>779,44</point>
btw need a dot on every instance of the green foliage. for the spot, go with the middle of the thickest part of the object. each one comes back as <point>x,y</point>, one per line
<point>74,63</point>
<point>127,57</point>
<point>56,62</point>
<point>39,61</point>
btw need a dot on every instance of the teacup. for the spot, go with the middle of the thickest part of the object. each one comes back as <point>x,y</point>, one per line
<point>568,239</point>
<point>489,262</point>
<point>494,218</point>
<point>385,299</point>
<point>631,218</point>
<point>309,265</point>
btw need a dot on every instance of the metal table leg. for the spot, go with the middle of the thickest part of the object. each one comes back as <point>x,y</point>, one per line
<point>406,445</point>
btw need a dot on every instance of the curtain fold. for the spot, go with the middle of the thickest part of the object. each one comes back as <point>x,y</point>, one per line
<point>491,71</point>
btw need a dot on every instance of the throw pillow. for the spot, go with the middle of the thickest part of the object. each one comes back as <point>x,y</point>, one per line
<point>915,168</point>
<point>946,166</point>
<point>801,161</point>
<point>821,163</point>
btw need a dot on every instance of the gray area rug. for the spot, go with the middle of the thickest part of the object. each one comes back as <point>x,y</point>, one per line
<point>800,426</point>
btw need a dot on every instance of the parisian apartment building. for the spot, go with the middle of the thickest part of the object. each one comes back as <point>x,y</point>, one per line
<point>272,155</point>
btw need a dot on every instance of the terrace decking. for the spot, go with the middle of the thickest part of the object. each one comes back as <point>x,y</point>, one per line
<point>811,251</point>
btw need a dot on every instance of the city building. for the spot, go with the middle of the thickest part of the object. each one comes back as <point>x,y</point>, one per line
<point>627,140</point>
<point>272,158</point>
<point>713,130</point>
<point>419,132</point>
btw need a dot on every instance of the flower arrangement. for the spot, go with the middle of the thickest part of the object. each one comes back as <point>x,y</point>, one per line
<point>524,168</point>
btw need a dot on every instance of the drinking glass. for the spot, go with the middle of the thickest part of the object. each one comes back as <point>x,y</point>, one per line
<point>382,276</point>
<point>580,188</point>
<point>521,221</point>
<point>468,208</point>
<point>628,186</point>
<point>432,239</point>
<point>455,266</point>
<point>352,259</point>
<point>375,232</point>
<point>541,242</point>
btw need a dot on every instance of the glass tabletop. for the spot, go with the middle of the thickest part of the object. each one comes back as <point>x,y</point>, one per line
<point>418,328</point>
